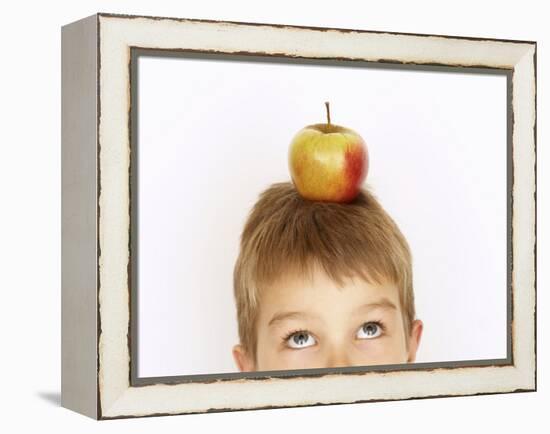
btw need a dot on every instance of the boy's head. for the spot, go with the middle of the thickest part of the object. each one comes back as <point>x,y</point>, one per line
<point>322,284</point>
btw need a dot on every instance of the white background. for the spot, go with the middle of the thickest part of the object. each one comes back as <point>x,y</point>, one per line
<point>215,133</point>
<point>30,186</point>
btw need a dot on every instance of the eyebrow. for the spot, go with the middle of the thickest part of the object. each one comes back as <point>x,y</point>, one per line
<point>383,303</point>
<point>281,316</point>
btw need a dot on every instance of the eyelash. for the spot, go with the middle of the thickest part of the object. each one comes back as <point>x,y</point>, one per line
<point>293,332</point>
<point>378,323</point>
<point>287,336</point>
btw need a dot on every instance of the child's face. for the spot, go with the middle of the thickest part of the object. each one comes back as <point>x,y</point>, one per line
<point>303,325</point>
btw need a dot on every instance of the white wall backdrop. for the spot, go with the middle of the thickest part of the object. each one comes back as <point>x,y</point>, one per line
<point>214,133</point>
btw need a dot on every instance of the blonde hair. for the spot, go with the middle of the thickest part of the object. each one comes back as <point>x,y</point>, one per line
<point>286,233</point>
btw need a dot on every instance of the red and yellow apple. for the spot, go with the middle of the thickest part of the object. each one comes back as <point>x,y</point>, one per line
<point>328,162</point>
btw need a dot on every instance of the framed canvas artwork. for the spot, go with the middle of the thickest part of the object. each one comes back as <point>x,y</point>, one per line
<point>261,215</point>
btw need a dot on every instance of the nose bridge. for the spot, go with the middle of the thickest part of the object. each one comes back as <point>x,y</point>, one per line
<point>338,355</point>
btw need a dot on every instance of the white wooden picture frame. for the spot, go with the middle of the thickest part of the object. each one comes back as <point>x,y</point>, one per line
<point>98,309</point>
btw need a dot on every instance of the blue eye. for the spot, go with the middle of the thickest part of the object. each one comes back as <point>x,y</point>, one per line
<point>370,330</point>
<point>300,339</point>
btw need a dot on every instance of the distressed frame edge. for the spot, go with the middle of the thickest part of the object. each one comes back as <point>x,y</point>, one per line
<point>313,404</point>
<point>529,62</point>
<point>519,389</point>
<point>317,28</point>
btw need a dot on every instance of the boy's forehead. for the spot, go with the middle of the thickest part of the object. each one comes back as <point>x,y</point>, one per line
<point>315,276</point>
<point>294,290</point>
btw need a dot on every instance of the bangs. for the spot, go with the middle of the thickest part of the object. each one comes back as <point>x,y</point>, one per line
<point>287,234</point>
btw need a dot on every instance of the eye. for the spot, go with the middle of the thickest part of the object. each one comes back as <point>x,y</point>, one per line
<point>300,339</point>
<point>370,330</point>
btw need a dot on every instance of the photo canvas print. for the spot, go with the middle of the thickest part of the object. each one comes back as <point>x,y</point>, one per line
<point>263,216</point>
<point>302,215</point>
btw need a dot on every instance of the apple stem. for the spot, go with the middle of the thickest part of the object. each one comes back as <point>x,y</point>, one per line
<point>328,112</point>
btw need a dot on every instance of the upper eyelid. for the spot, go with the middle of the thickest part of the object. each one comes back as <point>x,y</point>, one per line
<point>378,323</point>
<point>290,334</point>
<point>381,324</point>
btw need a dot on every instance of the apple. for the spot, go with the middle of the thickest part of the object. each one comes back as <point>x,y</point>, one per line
<point>328,162</point>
